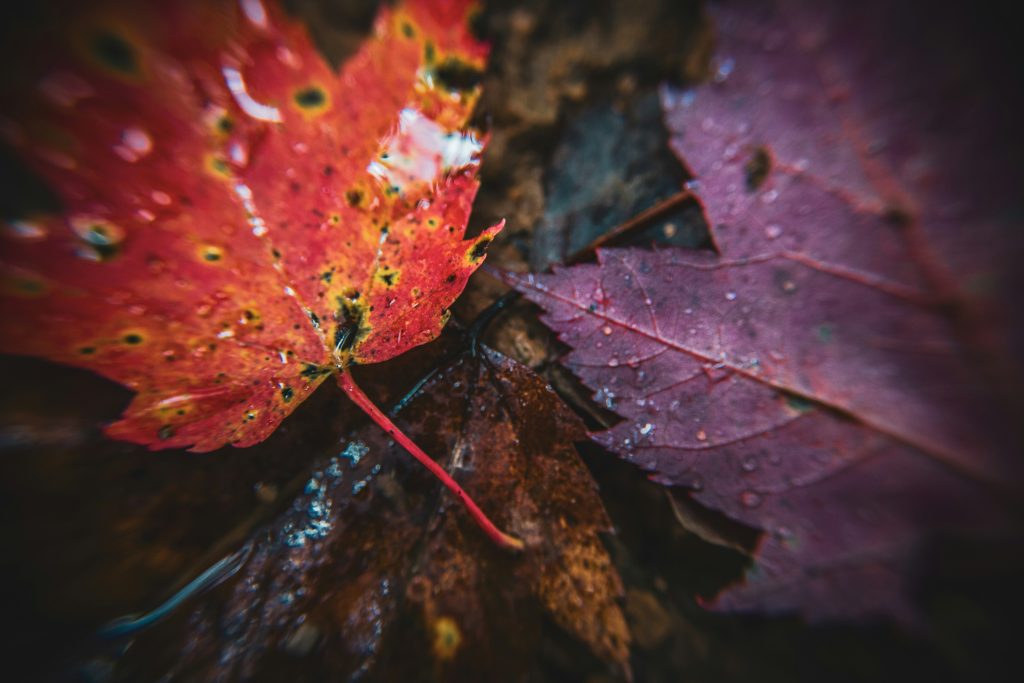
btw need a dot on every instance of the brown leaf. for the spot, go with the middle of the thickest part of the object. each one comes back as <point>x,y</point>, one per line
<point>369,572</point>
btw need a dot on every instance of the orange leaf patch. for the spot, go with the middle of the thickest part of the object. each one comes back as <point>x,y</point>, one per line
<point>240,221</point>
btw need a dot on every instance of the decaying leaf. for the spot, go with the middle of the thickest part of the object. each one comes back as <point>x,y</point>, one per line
<point>370,575</point>
<point>240,222</point>
<point>819,380</point>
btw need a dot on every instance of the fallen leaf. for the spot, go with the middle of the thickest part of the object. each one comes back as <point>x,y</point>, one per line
<point>612,163</point>
<point>816,381</point>
<point>240,221</point>
<point>369,574</point>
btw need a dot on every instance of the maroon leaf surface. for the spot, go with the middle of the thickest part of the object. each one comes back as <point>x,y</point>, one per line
<point>826,378</point>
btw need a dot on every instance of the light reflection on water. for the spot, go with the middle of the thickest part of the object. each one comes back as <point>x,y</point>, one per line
<point>422,151</point>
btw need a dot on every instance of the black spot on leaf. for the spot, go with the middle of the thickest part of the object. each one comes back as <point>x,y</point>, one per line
<point>114,52</point>
<point>757,168</point>
<point>310,97</point>
<point>454,74</point>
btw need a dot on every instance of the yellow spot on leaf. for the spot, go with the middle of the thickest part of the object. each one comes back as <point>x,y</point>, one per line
<point>387,276</point>
<point>478,250</point>
<point>217,166</point>
<point>311,100</point>
<point>133,337</point>
<point>447,638</point>
<point>210,253</point>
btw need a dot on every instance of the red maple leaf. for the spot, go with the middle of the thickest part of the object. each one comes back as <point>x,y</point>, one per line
<point>816,379</point>
<point>241,222</point>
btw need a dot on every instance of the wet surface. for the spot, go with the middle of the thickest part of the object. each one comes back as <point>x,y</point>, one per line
<point>95,530</point>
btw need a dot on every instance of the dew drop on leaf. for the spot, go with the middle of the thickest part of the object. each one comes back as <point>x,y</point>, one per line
<point>750,499</point>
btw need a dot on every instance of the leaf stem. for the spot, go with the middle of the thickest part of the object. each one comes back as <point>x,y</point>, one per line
<point>363,401</point>
<point>641,220</point>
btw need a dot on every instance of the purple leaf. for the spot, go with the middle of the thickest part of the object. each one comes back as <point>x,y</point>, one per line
<point>825,379</point>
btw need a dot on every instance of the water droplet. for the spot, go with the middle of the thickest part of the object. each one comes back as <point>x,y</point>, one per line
<point>730,296</point>
<point>236,84</point>
<point>135,144</point>
<point>769,196</point>
<point>316,509</point>
<point>25,230</point>
<point>613,362</point>
<point>606,330</point>
<point>161,198</point>
<point>646,429</point>
<point>750,499</point>
<point>255,12</point>
<point>238,154</point>
<point>786,536</point>
<point>772,231</point>
<point>354,452</point>
<point>65,89</point>
<point>334,469</point>
<point>749,463</point>
<point>725,67</point>
<point>287,57</point>
<point>702,435</point>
